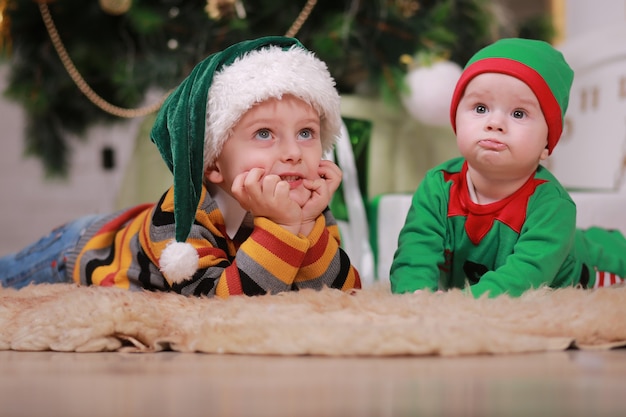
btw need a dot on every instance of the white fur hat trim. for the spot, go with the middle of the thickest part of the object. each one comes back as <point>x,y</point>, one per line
<point>179,261</point>
<point>269,73</point>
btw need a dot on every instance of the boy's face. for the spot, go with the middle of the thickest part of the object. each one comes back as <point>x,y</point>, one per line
<point>500,126</point>
<point>282,137</point>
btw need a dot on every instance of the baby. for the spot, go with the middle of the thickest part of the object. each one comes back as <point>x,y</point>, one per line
<point>495,221</point>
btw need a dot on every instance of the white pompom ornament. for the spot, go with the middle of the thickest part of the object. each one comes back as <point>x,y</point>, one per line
<point>430,92</point>
<point>179,261</point>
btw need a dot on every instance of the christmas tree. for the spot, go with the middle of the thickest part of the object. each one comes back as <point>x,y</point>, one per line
<point>118,49</point>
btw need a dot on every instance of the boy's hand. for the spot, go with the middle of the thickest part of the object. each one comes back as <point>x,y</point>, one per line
<point>322,190</point>
<point>332,174</point>
<point>267,196</point>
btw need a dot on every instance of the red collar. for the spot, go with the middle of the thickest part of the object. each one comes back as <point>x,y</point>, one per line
<point>480,217</point>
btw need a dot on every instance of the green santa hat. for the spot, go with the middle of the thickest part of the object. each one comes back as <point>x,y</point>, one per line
<point>197,118</point>
<point>534,62</point>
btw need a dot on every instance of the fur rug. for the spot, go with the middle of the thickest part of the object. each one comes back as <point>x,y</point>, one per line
<point>368,322</point>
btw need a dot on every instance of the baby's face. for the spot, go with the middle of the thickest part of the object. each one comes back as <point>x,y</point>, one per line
<point>500,126</point>
<point>282,137</point>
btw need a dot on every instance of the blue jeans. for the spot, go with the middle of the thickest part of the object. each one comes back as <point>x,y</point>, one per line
<point>44,261</point>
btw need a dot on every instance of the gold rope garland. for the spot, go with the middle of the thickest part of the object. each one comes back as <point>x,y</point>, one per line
<point>302,17</point>
<point>102,103</point>
<point>80,81</point>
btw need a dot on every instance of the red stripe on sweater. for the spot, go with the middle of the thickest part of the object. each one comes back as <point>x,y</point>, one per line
<point>233,280</point>
<point>120,220</point>
<point>209,250</point>
<point>317,251</point>
<point>277,247</point>
<point>108,281</point>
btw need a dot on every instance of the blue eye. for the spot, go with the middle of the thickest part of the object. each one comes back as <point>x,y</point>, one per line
<point>263,134</point>
<point>305,134</point>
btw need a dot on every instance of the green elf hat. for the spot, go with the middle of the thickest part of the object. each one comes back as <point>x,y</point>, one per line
<point>534,62</point>
<point>197,118</point>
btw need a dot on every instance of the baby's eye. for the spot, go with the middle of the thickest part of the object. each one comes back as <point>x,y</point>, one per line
<point>519,114</point>
<point>480,108</point>
<point>305,134</point>
<point>263,134</point>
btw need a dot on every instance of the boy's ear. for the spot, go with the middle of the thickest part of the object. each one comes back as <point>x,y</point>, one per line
<point>544,154</point>
<point>213,174</point>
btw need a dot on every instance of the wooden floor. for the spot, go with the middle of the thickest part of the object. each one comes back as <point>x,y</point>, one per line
<point>570,383</point>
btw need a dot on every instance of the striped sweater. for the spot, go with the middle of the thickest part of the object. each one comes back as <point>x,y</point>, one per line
<point>124,251</point>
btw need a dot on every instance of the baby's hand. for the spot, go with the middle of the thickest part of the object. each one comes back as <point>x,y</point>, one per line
<point>267,196</point>
<point>322,190</point>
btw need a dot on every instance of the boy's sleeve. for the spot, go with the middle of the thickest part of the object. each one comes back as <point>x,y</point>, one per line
<point>326,263</point>
<point>270,260</point>
<point>274,260</point>
<point>267,262</point>
<point>421,243</point>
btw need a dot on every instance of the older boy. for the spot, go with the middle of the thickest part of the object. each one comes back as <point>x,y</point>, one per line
<point>244,136</point>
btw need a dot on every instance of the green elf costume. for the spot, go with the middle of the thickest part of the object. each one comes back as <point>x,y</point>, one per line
<point>527,240</point>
